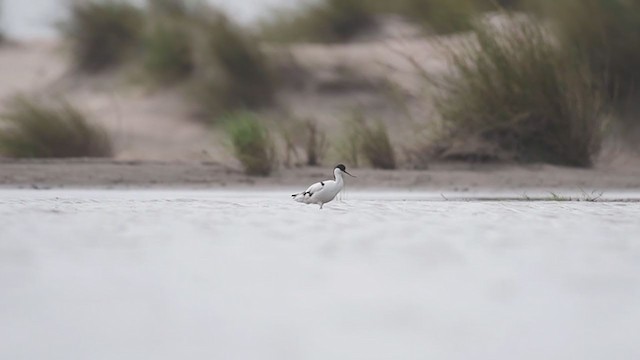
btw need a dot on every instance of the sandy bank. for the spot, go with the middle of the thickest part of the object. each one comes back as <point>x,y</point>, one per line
<point>450,177</point>
<point>325,83</point>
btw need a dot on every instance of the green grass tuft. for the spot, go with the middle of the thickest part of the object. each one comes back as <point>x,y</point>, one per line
<point>252,143</point>
<point>102,34</point>
<point>518,90</point>
<point>31,129</point>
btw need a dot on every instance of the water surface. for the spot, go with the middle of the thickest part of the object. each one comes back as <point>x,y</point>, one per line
<point>94,274</point>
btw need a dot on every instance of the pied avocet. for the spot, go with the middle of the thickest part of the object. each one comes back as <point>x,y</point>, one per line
<point>324,191</point>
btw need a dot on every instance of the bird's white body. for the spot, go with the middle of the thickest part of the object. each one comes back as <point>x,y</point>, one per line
<point>322,192</point>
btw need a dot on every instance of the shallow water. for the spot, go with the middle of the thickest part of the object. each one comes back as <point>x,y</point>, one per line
<point>246,275</point>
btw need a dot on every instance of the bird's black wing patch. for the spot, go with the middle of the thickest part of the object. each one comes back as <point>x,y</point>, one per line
<point>311,193</point>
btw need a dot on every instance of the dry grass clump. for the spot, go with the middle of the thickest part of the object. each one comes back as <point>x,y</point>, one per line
<point>365,141</point>
<point>518,90</point>
<point>32,129</point>
<point>376,146</point>
<point>607,34</point>
<point>102,33</point>
<point>233,71</point>
<point>305,135</point>
<point>347,147</point>
<point>324,21</point>
<point>316,143</point>
<point>252,144</point>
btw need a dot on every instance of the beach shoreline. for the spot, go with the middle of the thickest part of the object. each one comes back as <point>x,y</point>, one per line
<point>451,176</point>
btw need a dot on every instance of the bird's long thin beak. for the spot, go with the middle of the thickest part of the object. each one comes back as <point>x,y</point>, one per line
<point>349,174</point>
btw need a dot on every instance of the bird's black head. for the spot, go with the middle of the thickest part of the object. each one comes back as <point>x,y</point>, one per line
<point>343,169</point>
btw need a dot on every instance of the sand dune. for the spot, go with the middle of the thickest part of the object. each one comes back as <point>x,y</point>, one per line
<point>159,138</point>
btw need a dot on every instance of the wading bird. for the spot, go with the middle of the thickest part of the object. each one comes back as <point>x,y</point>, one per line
<point>324,191</point>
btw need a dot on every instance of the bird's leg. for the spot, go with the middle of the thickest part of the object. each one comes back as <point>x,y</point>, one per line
<point>321,206</point>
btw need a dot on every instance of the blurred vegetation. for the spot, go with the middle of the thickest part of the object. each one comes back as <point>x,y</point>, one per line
<point>376,146</point>
<point>3,38</point>
<point>173,8</point>
<point>519,90</point>
<point>503,4</point>
<point>168,52</point>
<point>33,129</point>
<point>102,33</point>
<point>175,41</point>
<point>440,16</point>
<point>233,71</point>
<point>324,21</point>
<point>316,143</point>
<point>607,34</point>
<point>540,89</point>
<point>347,146</point>
<point>341,20</point>
<point>308,136</point>
<point>168,46</point>
<point>365,141</point>
<point>252,143</point>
